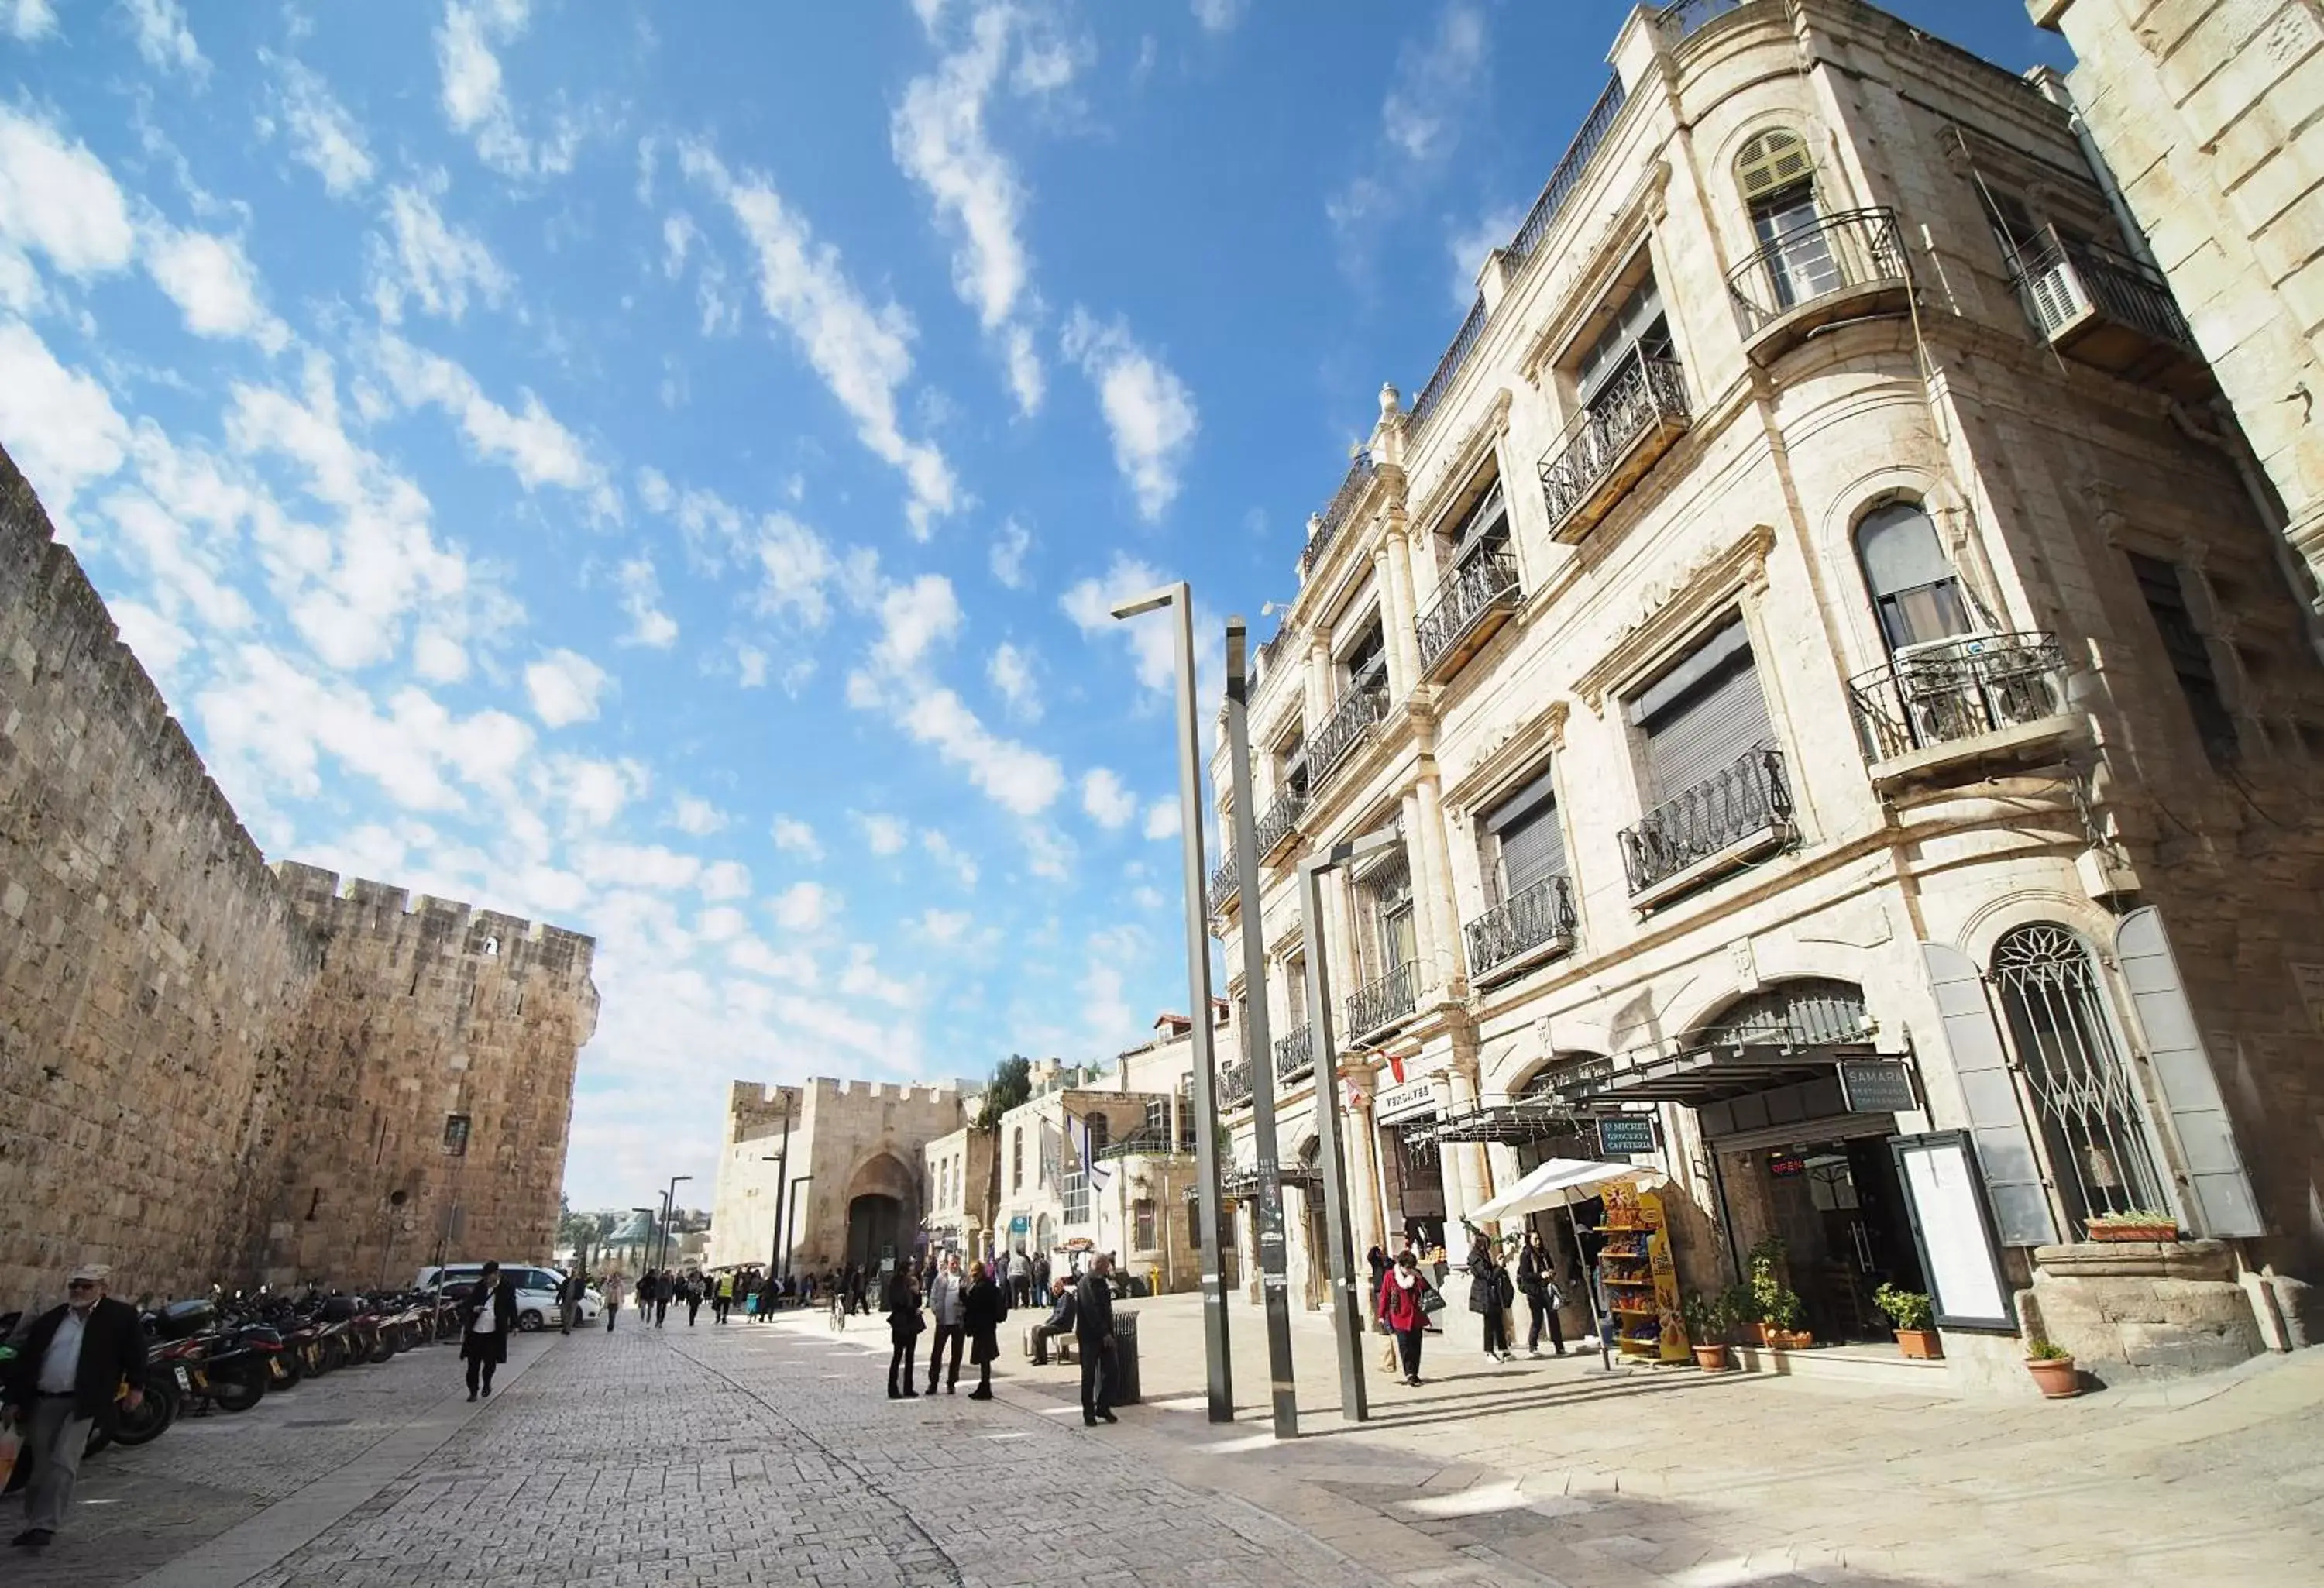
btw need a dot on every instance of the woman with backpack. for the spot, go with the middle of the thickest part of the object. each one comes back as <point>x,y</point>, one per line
<point>1537,1278</point>
<point>1491,1293</point>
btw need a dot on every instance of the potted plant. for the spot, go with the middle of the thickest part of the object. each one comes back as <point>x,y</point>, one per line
<point>2136,1224</point>
<point>1911,1314</point>
<point>1708,1320</point>
<point>2052,1367</point>
<point>1775,1305</point>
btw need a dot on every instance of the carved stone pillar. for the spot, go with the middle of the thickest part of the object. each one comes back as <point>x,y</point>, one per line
<point>1424,832</point>
<point>1396,595</point>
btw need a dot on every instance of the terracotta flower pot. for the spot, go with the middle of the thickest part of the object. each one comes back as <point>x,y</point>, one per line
<point>1711,1359</point>
<point>1789,1339</point>
<point>2133,1232</point>
<point>1755,1334</point>
<point>2056,1378</point>
<point>1921,1345</point>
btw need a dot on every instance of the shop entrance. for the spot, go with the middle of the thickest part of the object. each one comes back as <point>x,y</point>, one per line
<point>1839,1210</point>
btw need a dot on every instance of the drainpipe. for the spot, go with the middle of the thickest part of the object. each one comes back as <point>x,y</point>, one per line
<point>2051,86</point>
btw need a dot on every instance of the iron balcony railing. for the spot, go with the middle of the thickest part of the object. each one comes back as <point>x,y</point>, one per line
<point>1440,380</point>
<point>1335,511</point>
<point>1960,691</point>
<point>1483,583</point>
<point>1538,917</point>
<point>1835,252</point>
<point>1686,17</point>
<point>1224,885</point>
<point>1649,393</point>
<point>2060,278</point>
<point>1234,1084</point>
<point>1281,820</point>
<point>1386,1000</point>
<point>1567,176</point>
<point>1748,797</point>
<point>1146,1141</point>
<point>1294,1055</point>
<point>1342,731</point>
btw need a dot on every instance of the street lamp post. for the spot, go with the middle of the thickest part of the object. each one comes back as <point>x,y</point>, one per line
<point>1348,1318</point>
<point>791,1234</point>
<point>1210,1209</point>
<point>782,1162</point>
<point>652,1213</point>
<point>668,1215</point>
<point>1268,1224</point>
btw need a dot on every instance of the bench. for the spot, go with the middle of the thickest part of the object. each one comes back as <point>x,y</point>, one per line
<point>1061,1347</point>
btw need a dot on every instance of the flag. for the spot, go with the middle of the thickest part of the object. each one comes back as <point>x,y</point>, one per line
<point>1094,1174</point>
<point>1396,1068</point>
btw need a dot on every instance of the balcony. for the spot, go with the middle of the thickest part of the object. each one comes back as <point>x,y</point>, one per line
<point>1281,820</point>
<point>1844,266</point>
<point>1326,525</point>
<point>1522,930</point>
<point>1378,1004</point>
<point>1475,602</point>
<point>2107,311</point>
<point>1147,1142</point>
<point>1224,885</point>
<point>1234,1085</point>
<point>1606,450</point>
<point>1347,727</point>
<point>1725,821</point>
<point>1295,1056</point>
<point>1970,701</point>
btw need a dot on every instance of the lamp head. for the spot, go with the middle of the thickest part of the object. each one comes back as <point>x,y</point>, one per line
<point>1152,601</point>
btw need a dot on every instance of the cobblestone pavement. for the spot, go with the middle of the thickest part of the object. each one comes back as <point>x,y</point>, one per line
<point>770,1455</point>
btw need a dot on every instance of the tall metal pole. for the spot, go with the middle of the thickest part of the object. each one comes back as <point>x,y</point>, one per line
<point>1348,1316</point>
<point>1210,1209</point>
<point>1274,1277</point>
<point>783,1169</point>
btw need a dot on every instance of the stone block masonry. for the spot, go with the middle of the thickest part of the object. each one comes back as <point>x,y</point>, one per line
<point>216,1071</point>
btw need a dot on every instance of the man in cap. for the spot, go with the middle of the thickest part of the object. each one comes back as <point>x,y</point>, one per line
<point>74,1363</point>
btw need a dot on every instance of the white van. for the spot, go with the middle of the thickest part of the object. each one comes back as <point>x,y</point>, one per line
<point>536,1290</point>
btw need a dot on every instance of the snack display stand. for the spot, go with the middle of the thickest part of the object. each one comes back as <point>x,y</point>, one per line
<point>1640,1282</point>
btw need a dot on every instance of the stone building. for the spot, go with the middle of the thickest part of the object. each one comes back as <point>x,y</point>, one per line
<point>852,1179</point>
<point>962,1172</point>
<point>213,1071</point>
<point>2204,112</point>
<point>1838,714</point>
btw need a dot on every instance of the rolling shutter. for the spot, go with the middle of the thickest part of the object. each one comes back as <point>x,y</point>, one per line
<point>1996,1125</point>
<point>1699,717</point>
<point>2219,1192</point>
<point>1531,840</point>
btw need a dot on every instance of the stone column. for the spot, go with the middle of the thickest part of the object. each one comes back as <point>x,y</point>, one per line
<point>1454,1165</point>
<point>1428,799</point>
<point>1475,1175</point>
<point>1319,681</point>
<point>1361,1148</point>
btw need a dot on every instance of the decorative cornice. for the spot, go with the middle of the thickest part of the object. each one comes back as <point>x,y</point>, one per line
<point>1462,459</point>
<point>1499,763</point>
<point>1674,606</point>
<point>1584,269</point>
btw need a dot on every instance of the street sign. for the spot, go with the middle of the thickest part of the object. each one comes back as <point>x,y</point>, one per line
<point>1402,1102</point>
<point>1876,1086</point>
<point>1618,1137</point>
<point>1020,1224</point>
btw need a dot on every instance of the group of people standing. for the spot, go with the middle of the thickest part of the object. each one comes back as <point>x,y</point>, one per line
<point>1406,1294</point>
<point>970,1307</point>
<point>755,1291</point>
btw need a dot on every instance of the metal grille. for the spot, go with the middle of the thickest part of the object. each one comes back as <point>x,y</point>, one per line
<point>1854,248</point>
<point>1957,691</point>
<point>2081,1090</point>
<point>1810,1013</point>
<point>1384,1000</point>
<point>1568,174</point>
<point>1530,919</point>
<point>1335,511</point>
<point>1484,582</point>
<point>1650,392</point>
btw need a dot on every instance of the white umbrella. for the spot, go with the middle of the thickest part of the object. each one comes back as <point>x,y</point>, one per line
<point>1561,1183</point>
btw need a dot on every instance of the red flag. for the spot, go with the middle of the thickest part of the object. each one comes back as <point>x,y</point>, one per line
<point>1396,1068</point>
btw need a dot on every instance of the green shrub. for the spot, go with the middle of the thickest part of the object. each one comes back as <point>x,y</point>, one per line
<point>1907,1309</point>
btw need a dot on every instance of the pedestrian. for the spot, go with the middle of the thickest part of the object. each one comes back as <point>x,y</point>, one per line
<point>726,1296</point>
<point>78,1356</point>
<point>1537,1278</point>
<point>616,1291</point>
<point>664,1291</point>
<point>1020,1276</point>
<point>983,1308</point>
<point>486,1317</point>
<point>1094,1328</point>
<point>946,1294</point>
<point>1402,1306</point>
<point>1489,1292</point>
<point>902,1303</point>
<point>860,1289</point>
<point>1060,1321</point>
<point>1037,1282</point>
<point>570,1294</point>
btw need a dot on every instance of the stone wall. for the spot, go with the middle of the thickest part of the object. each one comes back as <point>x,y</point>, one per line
<point>210,1071</point>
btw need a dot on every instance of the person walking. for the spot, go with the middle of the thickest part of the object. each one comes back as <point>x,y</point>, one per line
<point>1537,1278</point>
<point>901,1302</point>
<point>726,1296</point>
<point>983,1307</point>
<point>946,1294</point>
<point>1020,1276</point>
<point>569,1298</point>
<point>616,1291</point>
<point>1094,1328</point>
<point>665,1288</point>
<point>78,1354</point>
<point>1489,1293</point>
<point>487,1317</point>
<point>690,1291</point>
<point>1038,1283</point>
<point>1401,1304</point>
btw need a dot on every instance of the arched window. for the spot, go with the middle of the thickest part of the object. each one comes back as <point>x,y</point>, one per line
<point>1776,175</point>
<point>1809,1012</point>
<point>1914,588</point>
<point>2066,1049</point>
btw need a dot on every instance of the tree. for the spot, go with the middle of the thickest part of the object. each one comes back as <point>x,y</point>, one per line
<point>1011,1085</point>
<point>573,1228</point>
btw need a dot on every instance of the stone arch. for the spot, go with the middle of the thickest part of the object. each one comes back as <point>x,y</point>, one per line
<point>1806,1008</point>
<point>883,1205</point>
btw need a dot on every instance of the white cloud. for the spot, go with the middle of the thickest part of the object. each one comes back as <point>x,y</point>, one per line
<point>58,199</point>
<point>803,907</point>
<point>1007,554</point>
<point>428,261</point>
<point>214,285</point>
<point>1149,410</point>
<point>796,565</point>
<point>1152,645</point>
<point>1468,248</point>
<point>727,879</point>
<point>697,817</point>
<point>564,686</point>
<point>1020,778</point>
<point>1419,116</point>
<point>163,39</point>
<point>862,353</point>
<point>1047,852</point>
<point>1218,16</point>
<point>60,426</point>
<point>863,978</point>
<point>946,926</point>
<point>884,835</point>
<point>541,452</point>
<point>1108,803</point>
<point>941,850</point>
<point>323,137</point>
<point>649,625</point>
<point>913,619</point>
<point>1011,668</point>
<point>793,837</point>
<point>474,98</point>
<point>677,236</point>
<point>1162,819</point>
<point>28,21</point>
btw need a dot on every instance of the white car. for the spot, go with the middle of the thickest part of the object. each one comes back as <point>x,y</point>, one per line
<point>536,1290</point>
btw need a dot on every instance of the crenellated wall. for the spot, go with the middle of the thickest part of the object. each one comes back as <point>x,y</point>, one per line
<point>212,1070</point>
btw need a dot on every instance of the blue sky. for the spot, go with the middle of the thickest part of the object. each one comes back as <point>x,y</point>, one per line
<point>661,469</point>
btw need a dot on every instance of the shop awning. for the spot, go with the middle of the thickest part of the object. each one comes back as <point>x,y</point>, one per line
<point>1526,1119</point>
<point>1698,1075</point>
<point>1560,1183</point>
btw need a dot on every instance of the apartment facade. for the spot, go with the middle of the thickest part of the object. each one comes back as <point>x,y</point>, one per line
<point>1842,715</point>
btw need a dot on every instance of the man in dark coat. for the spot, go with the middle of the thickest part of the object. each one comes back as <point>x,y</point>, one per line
<point>73,1363</point>
<point>488,1317</point>
<point>1093,1327</point>
<point>1060,1321</point>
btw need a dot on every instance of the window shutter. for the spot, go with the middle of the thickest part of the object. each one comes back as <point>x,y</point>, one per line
<point>1699,717</point>
<point>1771,163</point>
<point>2005,1149</point>
<point>1531,843</point>
<point>2219,1192</point>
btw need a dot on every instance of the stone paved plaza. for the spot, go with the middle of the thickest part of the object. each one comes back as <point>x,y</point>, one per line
<point>771,1454</point>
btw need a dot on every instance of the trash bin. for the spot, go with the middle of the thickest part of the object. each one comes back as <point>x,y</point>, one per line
<point>1125,1359</point>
